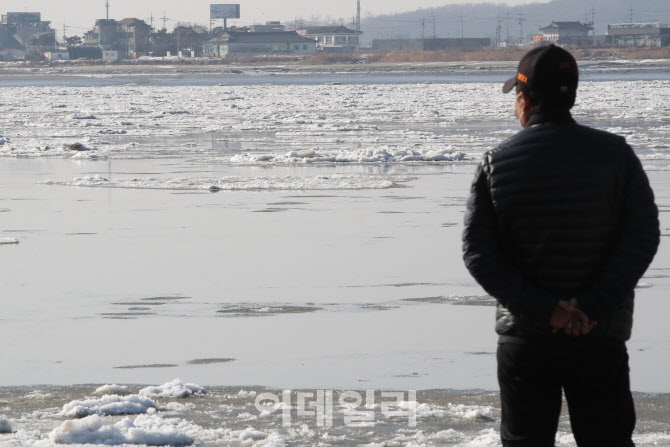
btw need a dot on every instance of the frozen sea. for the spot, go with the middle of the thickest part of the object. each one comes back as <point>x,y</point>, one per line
<point>253,232</point>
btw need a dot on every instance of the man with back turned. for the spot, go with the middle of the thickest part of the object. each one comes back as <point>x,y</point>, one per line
<point>560,226</point>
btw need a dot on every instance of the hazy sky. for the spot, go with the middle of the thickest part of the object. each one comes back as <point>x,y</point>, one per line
<point>81,18</point>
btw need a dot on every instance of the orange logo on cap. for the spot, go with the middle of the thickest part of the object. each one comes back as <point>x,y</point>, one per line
<point>522,78</point>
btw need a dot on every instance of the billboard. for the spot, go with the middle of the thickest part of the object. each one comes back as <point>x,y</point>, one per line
<point>224,12</point>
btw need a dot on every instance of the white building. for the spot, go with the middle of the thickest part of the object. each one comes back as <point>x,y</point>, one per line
<point>59,55</point>
<point>110,55</point>
<point>639,35</point>
<point>333,38</point>
<point>567,33</point>
<point>245,44</point>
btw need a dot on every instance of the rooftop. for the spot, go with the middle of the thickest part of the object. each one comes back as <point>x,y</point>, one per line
<point>130,22</point>
<point>565,26</point>
<point>330,29</point>
<point>277,36</point>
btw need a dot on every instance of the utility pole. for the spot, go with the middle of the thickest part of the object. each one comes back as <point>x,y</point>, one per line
<point>178,38</point>
<point>152,21</point>
<point>358,16</point>
<point>508,27</point>
<point>521,20</point>
<point>433,19</point>
<point>423,30</point>
<point>165,19</point>
<point>630,11</point>
<point>593,25</point>
<point>462,25</point>
<point>107,7</point>
<point>499,27</point>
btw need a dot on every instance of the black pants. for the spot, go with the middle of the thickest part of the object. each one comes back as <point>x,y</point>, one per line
<point>593,373</point>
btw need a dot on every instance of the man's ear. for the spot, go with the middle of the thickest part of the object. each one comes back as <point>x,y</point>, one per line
<point>526,105</point>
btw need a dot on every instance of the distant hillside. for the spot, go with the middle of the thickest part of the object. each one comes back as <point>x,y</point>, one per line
<point>480,19</point>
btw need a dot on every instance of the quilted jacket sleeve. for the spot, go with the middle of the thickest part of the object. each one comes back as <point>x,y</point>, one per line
<point>638,240</point>
<point>484,258</point>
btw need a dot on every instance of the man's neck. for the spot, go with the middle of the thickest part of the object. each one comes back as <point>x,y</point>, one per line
<point>550,116</point>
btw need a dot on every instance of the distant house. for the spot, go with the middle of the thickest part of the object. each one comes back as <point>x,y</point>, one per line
<point>639,35</point>
<point>387,45</point>
<point>27,26</point>
<point>135,37</point>
<point>564,33</point>
<point>128,37</point>
<point>336,38</point>
<point>22,33</point>
<point>106,33</point>
<point>245,44</point>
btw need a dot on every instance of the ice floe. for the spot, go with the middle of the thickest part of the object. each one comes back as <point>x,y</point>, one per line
<point>113,389</point>
<point>175,389</point>
<point>108,405</point>
<point>329,182</point>
<point>8,241</point>
<point>375,155</point>
<point>339,126</point>
<point>144,430</point>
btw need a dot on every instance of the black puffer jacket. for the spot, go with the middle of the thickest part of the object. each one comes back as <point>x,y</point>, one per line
<point>560,211</point>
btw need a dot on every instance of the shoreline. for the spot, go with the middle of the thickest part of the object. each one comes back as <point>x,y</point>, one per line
<point>172,66</point>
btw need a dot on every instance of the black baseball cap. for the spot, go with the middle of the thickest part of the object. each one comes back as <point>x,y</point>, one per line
<point>549,70</point>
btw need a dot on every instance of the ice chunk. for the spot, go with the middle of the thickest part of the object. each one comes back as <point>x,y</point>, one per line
<point>250,433</point>
<point>113,389</point>
<point>148,430</point>
<point>176,388</point>
<point>108,405</point>
<point>384,154</point>
<point>8,241</point>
